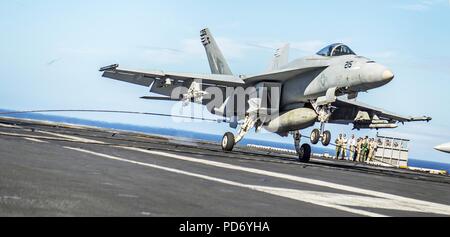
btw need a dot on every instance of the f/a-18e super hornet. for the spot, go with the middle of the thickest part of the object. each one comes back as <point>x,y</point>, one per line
<point>320,88</point>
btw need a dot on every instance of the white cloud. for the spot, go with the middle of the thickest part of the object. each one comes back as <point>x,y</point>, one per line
<point>232,49</point>
<point>80,51</point>
<point>187,50</point>
<point>423,134</point>
<point>415,7</point>
<point>424,137</point>
<point>421,6</point>
<point>192,48</point>
<point>310,46</point>
<point>384,54</point>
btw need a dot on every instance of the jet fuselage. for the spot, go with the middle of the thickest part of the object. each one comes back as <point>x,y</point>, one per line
<point>349,74</point>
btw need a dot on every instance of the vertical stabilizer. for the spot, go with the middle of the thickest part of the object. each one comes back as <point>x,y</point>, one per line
<point>281,58</point>
<point>216,60</point>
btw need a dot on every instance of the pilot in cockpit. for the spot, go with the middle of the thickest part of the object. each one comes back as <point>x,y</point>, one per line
<point>337,51</point>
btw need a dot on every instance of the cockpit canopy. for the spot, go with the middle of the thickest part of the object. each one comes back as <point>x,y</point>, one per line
<point>336,50</point>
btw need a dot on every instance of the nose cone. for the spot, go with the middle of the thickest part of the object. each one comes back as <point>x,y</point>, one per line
<point>374,75</point>
<point>443,148</point>
<point>387,75</point>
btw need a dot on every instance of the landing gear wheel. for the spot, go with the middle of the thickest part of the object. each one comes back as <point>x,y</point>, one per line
<point>228,141</point>
<point>304,154</point>
<point>315,136</point>
<point>326,138</point>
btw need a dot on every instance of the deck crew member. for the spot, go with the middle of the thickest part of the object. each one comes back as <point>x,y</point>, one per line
<point>359,150</point>
<point>372,149</point>
<point>344,147</point>
<point>338,146</point>
<point>352,143</point>
<point>365,149</point>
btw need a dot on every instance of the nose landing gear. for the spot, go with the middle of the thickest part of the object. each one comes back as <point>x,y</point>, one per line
<point>323,136</point>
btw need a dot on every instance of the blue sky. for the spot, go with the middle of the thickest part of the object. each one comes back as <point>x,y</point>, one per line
<point>51,51</point>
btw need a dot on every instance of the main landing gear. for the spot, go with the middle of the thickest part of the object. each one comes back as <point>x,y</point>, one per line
<point>324,114</point>
<point>320,135</point>
<point>303,151</point>
<point>229,140</point>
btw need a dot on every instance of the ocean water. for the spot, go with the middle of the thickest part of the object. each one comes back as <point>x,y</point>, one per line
<point>429,165</point>
<point>199,136</point>
<point>158,131</point>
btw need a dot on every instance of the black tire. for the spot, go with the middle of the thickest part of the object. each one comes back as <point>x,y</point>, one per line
<point>315,136</point>
<point>304,154</point>
<point>326,138</point>
<point>228,141</point>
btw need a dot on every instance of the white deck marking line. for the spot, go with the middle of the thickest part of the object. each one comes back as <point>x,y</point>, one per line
<point>9,126</point>
<point>398,202</point>
<point>395,202</point>
<point>286,193</point>
<point>34,140</point>
<point>26,136</point>
<point>49,138</point>
<point>79,139</point>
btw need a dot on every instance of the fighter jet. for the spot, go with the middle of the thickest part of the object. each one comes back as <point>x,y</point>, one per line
<point>320,88</point>
<point>444,148</point>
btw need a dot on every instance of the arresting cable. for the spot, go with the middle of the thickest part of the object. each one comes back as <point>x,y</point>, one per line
<point>115,112</point>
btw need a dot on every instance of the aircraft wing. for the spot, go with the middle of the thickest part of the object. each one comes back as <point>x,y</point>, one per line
<point>295,69</point>
<point>367,116</point>
<point>281,75</point>
<point>164,82</point>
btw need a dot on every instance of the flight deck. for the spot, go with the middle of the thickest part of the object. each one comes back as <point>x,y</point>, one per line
<point>50,169</point>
